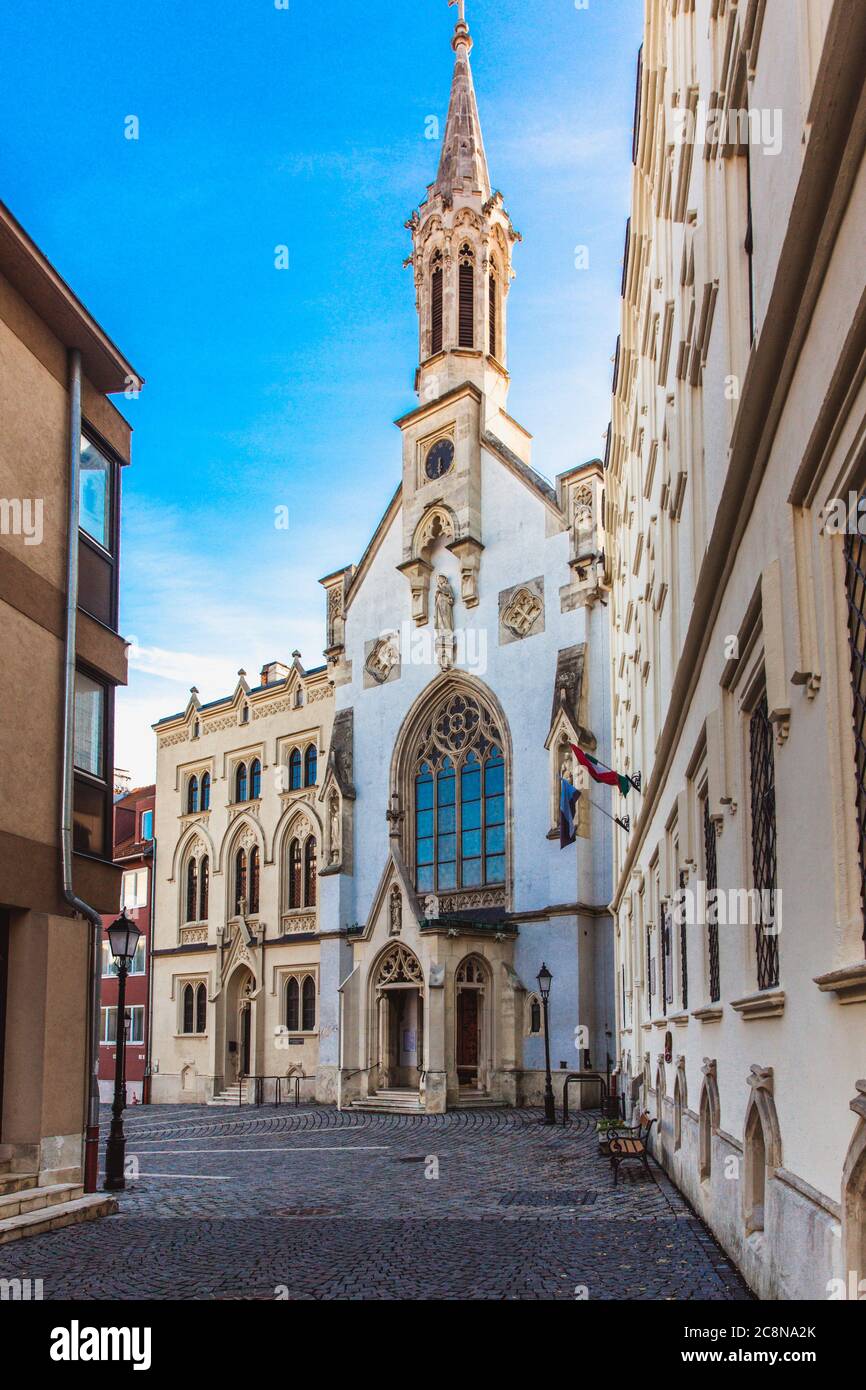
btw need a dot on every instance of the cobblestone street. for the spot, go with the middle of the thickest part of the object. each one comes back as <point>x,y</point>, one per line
<point>318,1204</point>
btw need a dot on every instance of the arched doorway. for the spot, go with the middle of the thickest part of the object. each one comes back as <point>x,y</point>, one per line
<point>398,1005</point>
<point>240,1034</point>
<point>472,1024</point>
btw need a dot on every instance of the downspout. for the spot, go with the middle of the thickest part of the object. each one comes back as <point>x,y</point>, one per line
<point>148,1058</point>
<point>90,1155</point>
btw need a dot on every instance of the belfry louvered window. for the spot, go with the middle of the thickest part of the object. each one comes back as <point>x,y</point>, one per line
<point>711,877</point>
<point>436,301</point>
<point>494,326</point>
<point>763,802</point>
<point>855,583</point>
<point>466,326</point>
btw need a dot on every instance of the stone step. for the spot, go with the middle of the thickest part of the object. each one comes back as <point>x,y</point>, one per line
<point>385,1105</point>
<point>53,1217</point>
<point>16,1182</point>
<point>36,1198</point>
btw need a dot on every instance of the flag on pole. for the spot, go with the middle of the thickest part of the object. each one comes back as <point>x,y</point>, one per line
<point>568,799</point>
<point>599,773</point>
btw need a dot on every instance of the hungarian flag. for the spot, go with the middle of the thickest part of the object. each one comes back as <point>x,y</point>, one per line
<point>568,799</point>
<point>599,773</point>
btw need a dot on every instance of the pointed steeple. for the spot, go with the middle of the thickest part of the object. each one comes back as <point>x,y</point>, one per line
<point>463,156</point>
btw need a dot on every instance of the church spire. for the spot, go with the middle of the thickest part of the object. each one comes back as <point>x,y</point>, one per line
<point>463,156</point>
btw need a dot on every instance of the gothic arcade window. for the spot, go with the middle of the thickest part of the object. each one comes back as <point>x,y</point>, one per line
<point>204,889</point>
<point>192,796</point>
<point>310,872</point>
<point>295,871</point>
<point>310,762</point>
<point>240,879</point>
<point>459,799</point>
<point>205,792</point>
<point>191,890</point>
<point>201,1009</point>
<point>308,1005</point>
<point>255,779</point>
<point>194,1009</point>
<point>241,782</point>
<point>295,770</point>
<point>254,879</point>
<point>293,1007</point>
<point>466,316</point>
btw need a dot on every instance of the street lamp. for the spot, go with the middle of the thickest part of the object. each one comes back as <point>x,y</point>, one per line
<point>123,937</point>
<point>545,980</point>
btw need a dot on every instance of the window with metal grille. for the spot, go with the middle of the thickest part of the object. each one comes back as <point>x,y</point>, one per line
<point>684,958</point>
<point>763,798</point>
<point>466,325</point>
<point>667,959</point>
<point>649,972</point>
<point>494,341</point>
<point>711,878</point>
<point>855,583</point>
<point>436,319</point>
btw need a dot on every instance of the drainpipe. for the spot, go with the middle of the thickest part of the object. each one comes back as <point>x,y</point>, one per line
<point>91,1134</point>
<point>148,1021</point>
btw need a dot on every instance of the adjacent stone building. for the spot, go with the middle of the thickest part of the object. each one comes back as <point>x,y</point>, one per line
<point>237,917</point>
<point>738,613</point>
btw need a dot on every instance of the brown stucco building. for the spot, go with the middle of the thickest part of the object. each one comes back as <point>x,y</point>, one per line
<point>61,664</point>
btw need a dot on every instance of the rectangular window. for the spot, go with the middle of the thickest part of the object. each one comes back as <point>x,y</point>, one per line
<point>134,1024</point>
<point>94,494</point>
<point>134,888</point>
<point>89,725</point>
<point>711,882</point>
<point>763,807</point>
<point>147,824</point>
<point>855,584</point>
<point>109,965</point>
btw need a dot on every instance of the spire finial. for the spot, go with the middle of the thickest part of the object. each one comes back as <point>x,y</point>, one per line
<point>461,29</point>
<point>461,10</point>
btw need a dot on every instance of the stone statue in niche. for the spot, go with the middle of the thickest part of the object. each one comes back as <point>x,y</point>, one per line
<point>395,908</point>
<point>444,623</point>
<point>334,826</point>
<point>584,540</point>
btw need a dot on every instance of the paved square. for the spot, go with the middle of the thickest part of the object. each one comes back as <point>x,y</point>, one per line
<point>317,1204</point>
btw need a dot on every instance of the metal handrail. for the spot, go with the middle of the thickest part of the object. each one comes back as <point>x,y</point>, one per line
<point>581,1076</point>
<point>258,1086</point>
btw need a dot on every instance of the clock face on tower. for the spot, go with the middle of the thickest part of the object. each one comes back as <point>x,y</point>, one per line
<point>439,459</point>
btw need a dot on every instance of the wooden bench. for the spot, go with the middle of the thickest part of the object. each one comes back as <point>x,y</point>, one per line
<point>634,1144</point>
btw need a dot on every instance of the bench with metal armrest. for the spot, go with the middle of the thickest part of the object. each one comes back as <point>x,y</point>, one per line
<point>631,1141</point>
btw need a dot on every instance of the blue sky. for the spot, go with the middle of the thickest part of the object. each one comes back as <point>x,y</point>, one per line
<point>305,127</point>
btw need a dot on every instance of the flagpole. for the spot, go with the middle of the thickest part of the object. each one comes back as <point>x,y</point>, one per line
<point>635,780</point>
<point>624,822</point>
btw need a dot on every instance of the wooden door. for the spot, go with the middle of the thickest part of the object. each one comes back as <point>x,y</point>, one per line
<point>246,1024</point>
<point>467,1037</point>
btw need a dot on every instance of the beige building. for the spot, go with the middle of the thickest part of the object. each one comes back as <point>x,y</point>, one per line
<point>62,449</point>
<point>236,929</point>
<point>738,612</point>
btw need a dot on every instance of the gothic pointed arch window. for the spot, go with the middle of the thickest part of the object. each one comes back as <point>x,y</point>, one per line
<point>201,1009</point>
<point>310,872</point>
<point>205,792</point>
<point>466,307</point>
<point>459,795</point>
<point>310,763</point>
<point>192,796</point>
<point>436,304</point>
<point>293,1005</point>
<point>255,779</point>
<point>204,889</point>
<point>191,889</point>
<point>254,878</point>
<point>241,782</point>
<point>295,874</point>
<point>295,770</point>
<point>240,880</point>
<point>188,1009</point>
<point>308,1005</point>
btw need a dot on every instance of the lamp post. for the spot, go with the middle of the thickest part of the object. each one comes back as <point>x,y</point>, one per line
<point>545,980</point>
<point>123,936</point>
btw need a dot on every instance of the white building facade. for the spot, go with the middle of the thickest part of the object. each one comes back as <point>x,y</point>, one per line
<point>737,620</point>
<point>468,650</point>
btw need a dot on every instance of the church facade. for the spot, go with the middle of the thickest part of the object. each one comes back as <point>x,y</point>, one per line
<point>466,651</point>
